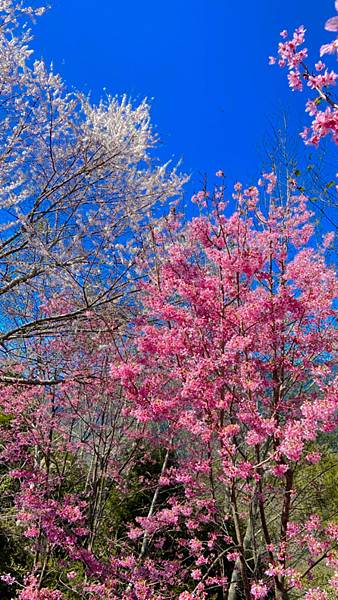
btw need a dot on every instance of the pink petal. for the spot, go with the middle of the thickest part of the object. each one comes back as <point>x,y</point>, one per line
<point>332,24</point>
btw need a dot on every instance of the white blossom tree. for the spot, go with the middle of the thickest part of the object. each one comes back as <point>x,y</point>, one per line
<point>77,181</point>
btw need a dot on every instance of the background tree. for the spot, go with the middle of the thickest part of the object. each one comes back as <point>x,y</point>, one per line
<point>76,179</point>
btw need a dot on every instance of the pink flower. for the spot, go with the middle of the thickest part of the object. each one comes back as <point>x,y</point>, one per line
<point>332,531</point>
<point>253,438</point>
<point>219,173</point>
<point>258,590</point>
<point>32,532</point>
<point>295,81</point>
<point>328,78</point>
<point>31,591</point>
<point>196,573</point>
<point>293,529</point>
<point>330,48</point>
<point>7,578</point>
<point>311,108</point>
<point>332,24</point>
<point>233,556</point>
<point>313,457</point>
<point>319,66</point>
<point>334,582</point>
<point>315,594</point>
<point>195,545</point>
<point>328,239</point>
<point>272,180</point>
<point>279,470</point>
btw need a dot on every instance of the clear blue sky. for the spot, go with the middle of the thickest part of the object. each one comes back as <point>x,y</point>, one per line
<point>203,64</point>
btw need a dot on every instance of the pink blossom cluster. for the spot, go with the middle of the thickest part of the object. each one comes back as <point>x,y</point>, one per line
<point>325,120</point>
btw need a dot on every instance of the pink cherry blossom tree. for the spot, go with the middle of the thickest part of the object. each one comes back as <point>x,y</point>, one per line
<point>234,373</point>
<point>66,447</point>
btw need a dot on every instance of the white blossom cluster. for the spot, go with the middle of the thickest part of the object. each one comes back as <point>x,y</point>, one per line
<point>77,183</point>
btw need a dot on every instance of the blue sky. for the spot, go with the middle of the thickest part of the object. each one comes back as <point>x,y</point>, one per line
<point>203,64</point>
